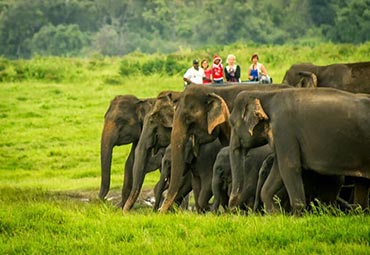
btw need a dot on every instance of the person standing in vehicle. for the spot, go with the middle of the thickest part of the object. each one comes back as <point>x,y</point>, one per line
<point>194,74</point>
<point>232,70</point>
<point>207,79</point>
<point>217,70</point>
<point>257,71</point>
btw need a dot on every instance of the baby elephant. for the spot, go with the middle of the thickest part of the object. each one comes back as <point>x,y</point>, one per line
<point>221,180</point>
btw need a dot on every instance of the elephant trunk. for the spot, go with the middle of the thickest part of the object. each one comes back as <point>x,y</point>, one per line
<point>237,160</point>
<point>179,138</point>
<point>142,153</point>
<point>109,136</point>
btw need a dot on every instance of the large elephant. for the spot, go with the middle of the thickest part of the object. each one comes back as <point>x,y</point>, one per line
<point>353,77</point>
<point>221,180</point>
<point>155,136</point>
<point>123,125</point>
<point>324,130</point>
<point>202,115</point>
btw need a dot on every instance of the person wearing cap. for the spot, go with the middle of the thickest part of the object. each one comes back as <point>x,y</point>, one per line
<point>194,74</point>
<point>257,71</point>
<point>217,70</point>
<point>232,70</point>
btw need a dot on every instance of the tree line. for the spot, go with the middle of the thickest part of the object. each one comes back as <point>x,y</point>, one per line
<point>116,27</point>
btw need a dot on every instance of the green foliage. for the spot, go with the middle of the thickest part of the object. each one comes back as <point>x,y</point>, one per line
<point>52,112</point>
<point>36,221</point>
<point>58,41</point>
<point>116,28</point>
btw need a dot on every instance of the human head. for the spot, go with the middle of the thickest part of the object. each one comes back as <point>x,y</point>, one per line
<point>231,59</point>
<point>216,59</point>
<point>254,58</point>
<point>196,64</point>
<point>204,63</point>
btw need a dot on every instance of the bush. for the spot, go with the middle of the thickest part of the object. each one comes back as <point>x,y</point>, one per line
<point>128,67</point>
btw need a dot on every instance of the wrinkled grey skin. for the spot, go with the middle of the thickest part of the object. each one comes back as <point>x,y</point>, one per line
<point>155,136</point>
<point>202,114</point>
<point>164,180</point>
<point>339,146</point>
<point>221,182</point>
<point>122,125</point>
<point>352,77</point>
<point>200,169</point>
<point>325,188</point>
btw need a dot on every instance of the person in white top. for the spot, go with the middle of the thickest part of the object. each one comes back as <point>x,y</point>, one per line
<point>194,74</point>
<point>257,71</point>
<point>232,70</point>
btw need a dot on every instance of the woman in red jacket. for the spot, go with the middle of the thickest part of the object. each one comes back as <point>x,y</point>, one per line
<point>217,70</point>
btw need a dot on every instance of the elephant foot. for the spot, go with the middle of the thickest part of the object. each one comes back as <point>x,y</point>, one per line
<point>120,204</point>
<point>234,201</point>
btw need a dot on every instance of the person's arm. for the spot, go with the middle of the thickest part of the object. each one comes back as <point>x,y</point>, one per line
<point>249,73</point>
<point>187,80</point>
<point>237,73</point>
<point>263,70</point>
<point>227,76</point>
<point>187,76</point>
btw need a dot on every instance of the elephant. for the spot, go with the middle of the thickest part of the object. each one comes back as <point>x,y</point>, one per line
<point>200,169</point>
<point>123,125</point>
<point>324,188</point>
<point>163,183</point>
<point>202,113</point>
<point>324,130</point>
<point>352,77</point>
<point>221,181</point>
<point>155,136</point>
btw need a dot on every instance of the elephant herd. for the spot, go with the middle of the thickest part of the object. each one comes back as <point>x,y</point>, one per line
<point>247,145</point>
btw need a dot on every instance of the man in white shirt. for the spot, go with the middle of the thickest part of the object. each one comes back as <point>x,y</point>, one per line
<point>194,74</point>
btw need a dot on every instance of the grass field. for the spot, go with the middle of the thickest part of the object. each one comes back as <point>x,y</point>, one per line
<point>50,127</point>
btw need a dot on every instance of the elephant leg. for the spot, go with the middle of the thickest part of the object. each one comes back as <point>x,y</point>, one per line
<point>128,176</point>
<point>205,194</point>
<point>196,189</point>
<point>361,192</point>
<point>262,176</point>
<point>225,199</point>
<point>271,186</point>
<point>247,197</point>
<point>291,174</point>
<point>182,199</point>
<point>216,189</point>
<point>161,186</point>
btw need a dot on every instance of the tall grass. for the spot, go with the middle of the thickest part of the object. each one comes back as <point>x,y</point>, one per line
<point>51,118</point>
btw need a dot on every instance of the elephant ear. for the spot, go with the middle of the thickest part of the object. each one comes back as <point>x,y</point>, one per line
<point>308,80</point>
<point>163,110</point>
<point>253,114</point>
<point>143,107</point>
<point>218,112</point>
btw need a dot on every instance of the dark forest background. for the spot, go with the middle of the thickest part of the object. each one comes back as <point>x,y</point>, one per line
<point>115,27</point>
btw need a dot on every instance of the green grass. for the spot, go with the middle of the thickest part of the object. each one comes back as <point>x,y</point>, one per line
<point>50,127</point>
<point>36,221</point>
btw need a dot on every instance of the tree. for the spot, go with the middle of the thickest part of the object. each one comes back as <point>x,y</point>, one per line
<point>352,24</point>
<point>61,40</point>
<point>19,21</point>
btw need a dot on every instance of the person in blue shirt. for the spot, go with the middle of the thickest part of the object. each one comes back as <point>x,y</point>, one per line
<point>257,71</point>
